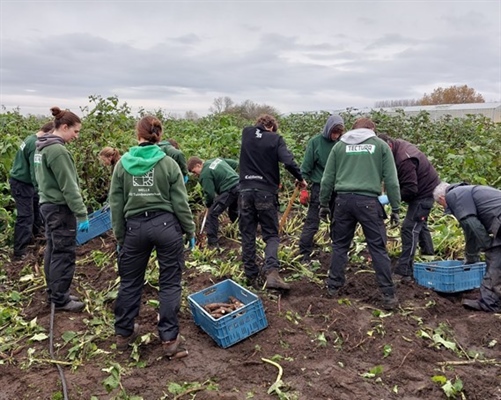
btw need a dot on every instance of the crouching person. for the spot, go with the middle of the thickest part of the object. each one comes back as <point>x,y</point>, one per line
<point>478,210</point>
<point>220,185</point>
<point>150,211</point>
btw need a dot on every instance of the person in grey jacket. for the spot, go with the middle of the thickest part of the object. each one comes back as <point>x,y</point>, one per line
<point>478,210</point>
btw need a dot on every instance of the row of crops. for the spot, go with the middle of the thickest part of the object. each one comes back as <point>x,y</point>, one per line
<point>461,149</point>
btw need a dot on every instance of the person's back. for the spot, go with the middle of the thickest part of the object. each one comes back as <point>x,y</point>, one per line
<point>217,176</point>
<point>261,151</point>
<point>355,170</point>
<point>169,149</point>
<point>417,179</point>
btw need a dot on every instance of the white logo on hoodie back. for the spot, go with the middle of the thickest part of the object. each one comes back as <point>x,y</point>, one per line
<point>360,148</point>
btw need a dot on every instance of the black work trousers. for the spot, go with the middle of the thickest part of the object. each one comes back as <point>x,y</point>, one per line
<point>349,210</point>
<point>59,257</point>
<point>145,232</point>
<point>417,214</point>
<point>259,207</point>
<point>312,221</point>
<point>226,200</point>
<point>490,288</point>
<point>28,220</point>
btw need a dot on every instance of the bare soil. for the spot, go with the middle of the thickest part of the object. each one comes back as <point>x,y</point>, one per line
<point>325,346</point>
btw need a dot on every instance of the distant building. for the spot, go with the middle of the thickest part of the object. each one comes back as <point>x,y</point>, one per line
<point>490,110</point>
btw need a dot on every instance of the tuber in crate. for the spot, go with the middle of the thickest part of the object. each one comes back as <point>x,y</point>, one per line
<point>235,326</point>
<point>449,276</point>
<point>99,223</point>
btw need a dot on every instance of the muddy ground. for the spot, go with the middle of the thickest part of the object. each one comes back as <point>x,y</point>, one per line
<point>342,348</point>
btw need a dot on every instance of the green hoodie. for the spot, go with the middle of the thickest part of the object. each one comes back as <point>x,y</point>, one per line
<point>315,157</point>
<point>218,176</point>
<point>57,176</point>
<point>23,169</point>
<point>176,154</point>
<point>146,180</point>
<point>359,163</point>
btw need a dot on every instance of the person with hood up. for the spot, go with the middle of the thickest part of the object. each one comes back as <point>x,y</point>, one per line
<point>62,207</point>
<point>261,152</point>
<point>149,211</point>
<point>312,168</point>
<point>219,180</point>
<point>24,189</point>
<point>356,168</point>
<point>417,179</point>
<point>478,210</point>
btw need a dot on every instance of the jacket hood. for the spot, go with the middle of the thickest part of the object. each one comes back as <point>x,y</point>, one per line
<point>331,123</point>
<point>139,160</point>
<point>357,136</point>
<point>48,140</point>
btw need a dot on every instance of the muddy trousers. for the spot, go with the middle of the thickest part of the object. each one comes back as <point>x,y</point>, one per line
<point>349,210</point>
<point>417,214</point>
<point>490,289</point>
<point>150,230</point>
<point>227,200</point>
<point>258,207</point>
<point>59,257</point>
<point>28,220</point>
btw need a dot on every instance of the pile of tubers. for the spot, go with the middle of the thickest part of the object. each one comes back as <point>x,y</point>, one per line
<point>218,310</point>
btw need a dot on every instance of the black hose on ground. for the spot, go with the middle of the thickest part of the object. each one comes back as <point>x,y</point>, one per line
<point>51,351</point>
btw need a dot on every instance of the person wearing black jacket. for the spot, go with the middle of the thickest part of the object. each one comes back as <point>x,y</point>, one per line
<point>478,210</point>
<point>262,149</point>
<point>417,178</point>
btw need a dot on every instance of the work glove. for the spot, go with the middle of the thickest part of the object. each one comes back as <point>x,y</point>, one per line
<point>304,197</point>
<point>324,213</point>
<point>394,219</point>
<point>190,241</point>
<point>383,199</point>
<point>83,226</point>
<point>185,179</point>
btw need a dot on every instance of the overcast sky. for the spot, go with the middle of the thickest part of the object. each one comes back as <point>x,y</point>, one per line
<point>293,55</point>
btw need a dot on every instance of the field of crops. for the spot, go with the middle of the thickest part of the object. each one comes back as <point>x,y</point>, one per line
<point>319,348</point>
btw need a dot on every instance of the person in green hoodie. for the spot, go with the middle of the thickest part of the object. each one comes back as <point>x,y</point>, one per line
<point>149,211</point>
<point>219,181</point>
<point>24,189</point>
<point>62,207</point>
<point>171,148</point>
<point>312,168</point>
<point>357,167</point>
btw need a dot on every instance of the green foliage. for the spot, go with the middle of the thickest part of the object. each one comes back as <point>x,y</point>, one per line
<point>460,149</point>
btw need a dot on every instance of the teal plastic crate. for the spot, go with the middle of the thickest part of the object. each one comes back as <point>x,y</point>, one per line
<point>235,326</point>
<point>449,276</point>
<point>99,223</point>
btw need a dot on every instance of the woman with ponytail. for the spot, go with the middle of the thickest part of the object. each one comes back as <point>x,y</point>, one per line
<point>149,211</point>
<point>62,207</point>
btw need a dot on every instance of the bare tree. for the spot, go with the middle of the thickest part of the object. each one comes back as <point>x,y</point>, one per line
<point>221,105</point>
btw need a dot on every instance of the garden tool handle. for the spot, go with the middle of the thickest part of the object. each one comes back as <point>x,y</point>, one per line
<point>288,209</point>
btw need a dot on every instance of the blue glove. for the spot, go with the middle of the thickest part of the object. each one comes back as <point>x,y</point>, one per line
<point>190,241</point>
<point>383,199</point>
<point>118,248</point>
<point>186,179</point>
<point>83,226</point>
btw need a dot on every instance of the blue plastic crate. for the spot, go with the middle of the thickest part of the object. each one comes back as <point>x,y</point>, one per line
<point>99,223</point>
<point>449,276</point>
<point>235,326</point>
